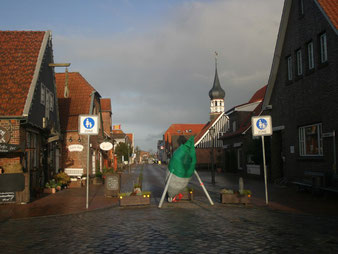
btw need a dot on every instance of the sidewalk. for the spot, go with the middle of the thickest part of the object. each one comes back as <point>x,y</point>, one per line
<point>283,198</point>
<point>66,201</point>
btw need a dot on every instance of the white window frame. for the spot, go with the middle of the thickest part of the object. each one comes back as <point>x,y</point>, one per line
<point>310,55</point>
<point>43,94</point>
<point>299,62</point>
<point>323,48</point>
<point>302,140</point>
<point>289,63</point>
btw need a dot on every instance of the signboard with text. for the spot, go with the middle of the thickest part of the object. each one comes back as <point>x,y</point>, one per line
<point>261,126</point>
<point>88,125</point>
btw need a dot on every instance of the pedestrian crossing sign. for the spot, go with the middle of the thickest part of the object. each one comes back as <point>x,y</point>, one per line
<point>88,125</point>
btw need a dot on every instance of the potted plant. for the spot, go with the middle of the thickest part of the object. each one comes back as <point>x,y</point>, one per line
<point>50,186</point>
<point>229,196</point>
<point>62,179</point>
<point>98,178</point>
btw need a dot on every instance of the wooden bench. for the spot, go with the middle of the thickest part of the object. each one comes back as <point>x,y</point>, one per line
<point>303,185</point>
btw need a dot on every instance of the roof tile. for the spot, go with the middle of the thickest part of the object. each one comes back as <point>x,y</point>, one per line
<point>331,9</point>
<point>19,51</point>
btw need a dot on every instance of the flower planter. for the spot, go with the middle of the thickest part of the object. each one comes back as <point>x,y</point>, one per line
<point>234,198</point>
<point>49,190</point>
<point>134,200</point>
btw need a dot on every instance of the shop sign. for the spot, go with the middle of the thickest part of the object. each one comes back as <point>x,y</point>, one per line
<point>7,148</point>
<point>7,197</point>
<point>4,135</point>
<point>106,146</point>
<point>75,148</point>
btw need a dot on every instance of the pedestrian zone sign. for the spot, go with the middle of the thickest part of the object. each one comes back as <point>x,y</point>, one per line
<point>88,125</point>
<point>261,126</point>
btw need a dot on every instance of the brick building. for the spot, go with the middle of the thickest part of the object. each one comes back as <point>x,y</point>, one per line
<point>29,123</point>
<point>302,91</point>
<point>77,97</point>
<point>108,156</point>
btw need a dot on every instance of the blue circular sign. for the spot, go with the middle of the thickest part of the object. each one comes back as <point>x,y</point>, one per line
<point>261,124</point>
<point>89,123</point>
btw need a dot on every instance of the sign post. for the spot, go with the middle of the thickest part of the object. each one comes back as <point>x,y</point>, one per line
<point>88,125</point>
<point>262,126</point>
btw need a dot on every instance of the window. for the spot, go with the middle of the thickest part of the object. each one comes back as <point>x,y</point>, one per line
<point>43,94</point>
<point>299,62</point>
<point>51,101</point>
<point>289,61</point>
<point>239,158</point>
<point>234,126</point>
<point>47,104</point>
<point>310,55</point>
<point>323,48</point>
<point>301,7</point>
<point>310,140</point>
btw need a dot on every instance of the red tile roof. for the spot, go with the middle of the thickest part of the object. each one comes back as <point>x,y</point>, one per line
<point>182,129</point>
<point>330,7</point>
<point>78,101</point>
<point>259,95</point>
<point>106,104</point>
<point>130,136</point>
<point>19,51</point>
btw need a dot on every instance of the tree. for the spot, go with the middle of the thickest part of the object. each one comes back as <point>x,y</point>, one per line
<point>122,149</point>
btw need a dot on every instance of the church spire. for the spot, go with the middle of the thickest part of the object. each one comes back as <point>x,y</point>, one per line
<point>216,95</point>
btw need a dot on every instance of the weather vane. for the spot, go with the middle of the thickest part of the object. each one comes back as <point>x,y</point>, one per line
<point>216,55</point>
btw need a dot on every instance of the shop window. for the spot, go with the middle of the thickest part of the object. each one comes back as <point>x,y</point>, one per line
<point>310,140</point>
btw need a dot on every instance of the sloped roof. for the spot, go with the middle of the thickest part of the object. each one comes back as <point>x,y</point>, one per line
<point>19,53</point>
<point>130,136</point>
<point>182,129</point>
<point>259,95</point>
<point>78,101</point>
<point>106,104</point>
<point>330,8</point>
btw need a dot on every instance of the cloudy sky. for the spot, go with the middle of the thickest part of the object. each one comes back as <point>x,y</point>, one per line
<point>155,59</point>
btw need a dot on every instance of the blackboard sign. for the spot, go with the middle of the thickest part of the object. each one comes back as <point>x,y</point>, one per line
<point>7,197</point>
<point>12,182</point>
<point>7,148</point>
<point>112,182</point>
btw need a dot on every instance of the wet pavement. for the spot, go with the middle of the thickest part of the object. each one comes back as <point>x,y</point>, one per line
<point>284,226</point>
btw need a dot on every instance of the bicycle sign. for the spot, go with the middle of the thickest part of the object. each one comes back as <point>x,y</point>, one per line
<point>88,125</point>
<point>261,126</point>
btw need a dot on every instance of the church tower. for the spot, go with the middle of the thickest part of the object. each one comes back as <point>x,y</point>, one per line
<point>216,95</point>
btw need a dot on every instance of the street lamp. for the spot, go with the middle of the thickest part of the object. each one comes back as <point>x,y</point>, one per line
<point>212,133</point>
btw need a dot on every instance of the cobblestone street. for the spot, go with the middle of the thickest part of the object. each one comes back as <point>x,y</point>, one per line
<point>186,227</point>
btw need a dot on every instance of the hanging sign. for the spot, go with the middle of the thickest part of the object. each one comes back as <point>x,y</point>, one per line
<point>88,125</point>
<point>75,148</point>
<point>261,126</point>
<point>106,146</point>
<point>7,148</point>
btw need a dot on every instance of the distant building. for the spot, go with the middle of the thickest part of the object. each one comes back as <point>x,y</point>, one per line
<point>77,97</point>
